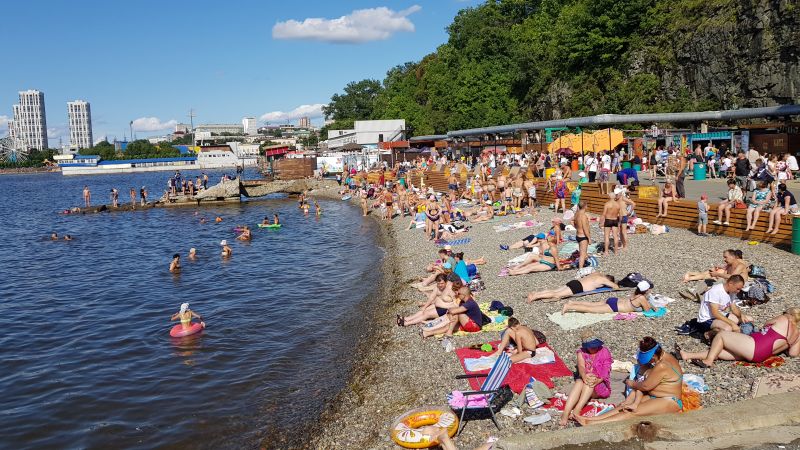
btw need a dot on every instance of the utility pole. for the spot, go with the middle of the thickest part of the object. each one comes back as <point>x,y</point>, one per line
<point>191,123</point>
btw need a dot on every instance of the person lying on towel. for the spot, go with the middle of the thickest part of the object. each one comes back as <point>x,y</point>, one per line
<point>574,287</point>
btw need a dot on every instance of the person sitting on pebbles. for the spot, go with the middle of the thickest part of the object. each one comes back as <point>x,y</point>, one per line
<point>588,283</point>
<point>661,384</point>
<point>593,378</point>
<point>637,302</point>
<point>440,300</point>
<point>523,339</point>
<point>466,317</point>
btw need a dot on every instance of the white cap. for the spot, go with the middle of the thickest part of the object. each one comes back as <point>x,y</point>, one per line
<point>643,286</point>
<point>448,247</point>
<point>192,250</point>
<point>618,191</point>
<point>581,174</point>
<point>184,307</point>
<point>223,242</point>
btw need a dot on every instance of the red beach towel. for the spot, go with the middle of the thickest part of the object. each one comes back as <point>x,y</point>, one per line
<point>520,374</point>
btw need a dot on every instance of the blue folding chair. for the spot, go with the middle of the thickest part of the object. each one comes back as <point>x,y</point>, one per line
<point>490,388</point>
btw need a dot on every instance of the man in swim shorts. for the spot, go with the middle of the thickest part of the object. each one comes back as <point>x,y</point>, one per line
<point>574,287</point>
<point>583,233</point>
<point>523,339</point>
<point>610,220</point>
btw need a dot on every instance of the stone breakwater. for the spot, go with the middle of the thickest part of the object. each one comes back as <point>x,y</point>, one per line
<point>397,371</point>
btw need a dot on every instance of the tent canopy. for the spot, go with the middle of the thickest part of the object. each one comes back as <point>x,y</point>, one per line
<point>605,139</point>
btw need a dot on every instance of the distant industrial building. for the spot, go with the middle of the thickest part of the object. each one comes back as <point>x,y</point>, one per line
<point>29,127</point>
<point>250,126</point>
<point>79,114</point>
<point>219,128</point>
<point>368,133</point>
<point>183,128</point>
<point>304,122</point>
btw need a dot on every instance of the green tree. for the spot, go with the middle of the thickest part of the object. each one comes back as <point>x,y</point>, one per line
<point>103,148</point>
<point>357,102</point>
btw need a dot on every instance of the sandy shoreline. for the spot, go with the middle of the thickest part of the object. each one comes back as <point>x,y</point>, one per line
<point>395,371</point>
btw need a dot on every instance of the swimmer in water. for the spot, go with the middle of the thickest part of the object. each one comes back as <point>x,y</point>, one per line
<point>218,219</point>
<point>245,236</point>
<point>265,221</point>
<point>175,265</point>
<point>192,253</point>
<point>317,208</point>
<point>203,220</point>
<point>67,237</point>
<point>186,315</point>
<point>276,220</point>
<point>305,209</point>
<point>226,251</point>
<point>54,237</point>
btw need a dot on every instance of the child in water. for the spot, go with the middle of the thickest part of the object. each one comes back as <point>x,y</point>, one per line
<point>317,208</point>
<point>305,209</point>
<point>265,221</point>
<point>276,220</point>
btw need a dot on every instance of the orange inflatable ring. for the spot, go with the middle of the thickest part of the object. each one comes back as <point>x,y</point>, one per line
<point>406,432</point>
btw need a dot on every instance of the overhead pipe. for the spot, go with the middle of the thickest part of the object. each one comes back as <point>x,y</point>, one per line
<point>604,120</point>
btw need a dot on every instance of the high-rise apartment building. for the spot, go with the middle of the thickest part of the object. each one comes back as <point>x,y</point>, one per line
<point>30,121</point>
<point>304,122</point>
<point>80,124</point>
<point>250,125</point>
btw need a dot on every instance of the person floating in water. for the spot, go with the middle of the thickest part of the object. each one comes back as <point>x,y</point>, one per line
<point>218,219</point>
<point>175,265</point>
<point>192,253</point>
<point>245,236</point>
<point>186,315</point>
<point>54,237</point>
<point>226,251</point>
<point>276,220</point>
<point>317,208</point>
<point>305,209</point>
<point>265,221</point>
<point>67,237</point>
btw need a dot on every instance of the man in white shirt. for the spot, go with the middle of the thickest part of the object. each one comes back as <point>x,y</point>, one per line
<point>753,156</point>
<point>606,161</point>
<point>791,162</point>
<point>718,310</point>
<point>590,163</point>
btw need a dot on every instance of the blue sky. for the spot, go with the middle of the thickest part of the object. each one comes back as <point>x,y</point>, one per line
<point>150,61</point>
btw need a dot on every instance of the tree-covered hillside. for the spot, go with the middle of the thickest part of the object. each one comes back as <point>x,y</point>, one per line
<point>521,60</point>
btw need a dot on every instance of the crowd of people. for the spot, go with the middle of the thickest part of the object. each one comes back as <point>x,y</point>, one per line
<point>449,287</point>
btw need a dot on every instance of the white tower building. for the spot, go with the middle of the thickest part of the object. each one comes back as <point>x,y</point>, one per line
<point>250,125</point>
<point>30,121</point>
<point>80,124</point>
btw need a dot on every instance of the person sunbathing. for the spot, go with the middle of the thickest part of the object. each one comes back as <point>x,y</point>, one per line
<point>525,343</point>
<point>593,376</point>
<point>588,283</point>
<point>661,386</point>
<point>734,265</point>
<point>439,301</point>
<point>779,335</point>
<point>484,214</point>
<point>637,302</point>
<point>543,261</point>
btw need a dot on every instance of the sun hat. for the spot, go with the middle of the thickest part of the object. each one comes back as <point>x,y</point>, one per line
<point>643,286</point>
<point>223,242</point>
<point>592,342</point>
<point>645,357</point>
<point>448,247</point>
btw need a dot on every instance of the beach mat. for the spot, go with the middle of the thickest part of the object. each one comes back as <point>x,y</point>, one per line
<point>462,241</point>
<point>593,407</point>
<point>520,373</point>
<point>575,320</point>
<point>598,291</point>
<point>769,363</point>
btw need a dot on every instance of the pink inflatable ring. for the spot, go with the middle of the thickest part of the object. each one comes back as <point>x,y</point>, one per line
<point>180,331</point>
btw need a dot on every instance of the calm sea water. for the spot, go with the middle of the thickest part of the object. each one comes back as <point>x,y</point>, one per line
<point>87,361</point>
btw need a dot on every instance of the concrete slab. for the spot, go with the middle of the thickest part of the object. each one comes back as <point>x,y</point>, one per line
<point>705,424</point>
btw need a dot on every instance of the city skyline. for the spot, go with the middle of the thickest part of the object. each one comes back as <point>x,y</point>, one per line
<point>296,58</point>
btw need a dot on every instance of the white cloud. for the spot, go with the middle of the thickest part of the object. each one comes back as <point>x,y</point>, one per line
<point>152,124</point>
<point>361,25</point>
<point>311,111</point>
<point>101,139</point>
<point>58,131</point>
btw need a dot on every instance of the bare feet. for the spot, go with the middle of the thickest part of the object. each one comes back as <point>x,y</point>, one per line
<point>565,308</point>
<point>531,297</point>
<point>580,419</point>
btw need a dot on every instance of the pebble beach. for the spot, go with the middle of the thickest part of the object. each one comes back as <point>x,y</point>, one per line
<point>397,371</point>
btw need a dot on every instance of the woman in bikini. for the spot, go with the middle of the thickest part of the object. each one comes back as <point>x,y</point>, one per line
<point>544,262</point>
<point>667,195</point>
<point>778,335</point>
<point>637,302</point>
<point>432,213</point>
<point>660,384</point>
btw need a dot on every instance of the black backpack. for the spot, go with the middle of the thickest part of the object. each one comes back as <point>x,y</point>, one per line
<point>632,279</point>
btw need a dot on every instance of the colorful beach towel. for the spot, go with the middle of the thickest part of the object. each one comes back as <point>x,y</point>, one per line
<point>462,241</point>
<point>520,374</point>
<point>575,320</point>
<point>516,226</point>
<point>775,383</point>
<point>769,363</point>
<point>592,409</point>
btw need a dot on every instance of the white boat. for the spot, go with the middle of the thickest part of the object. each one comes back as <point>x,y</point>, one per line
<point>94,165</point>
